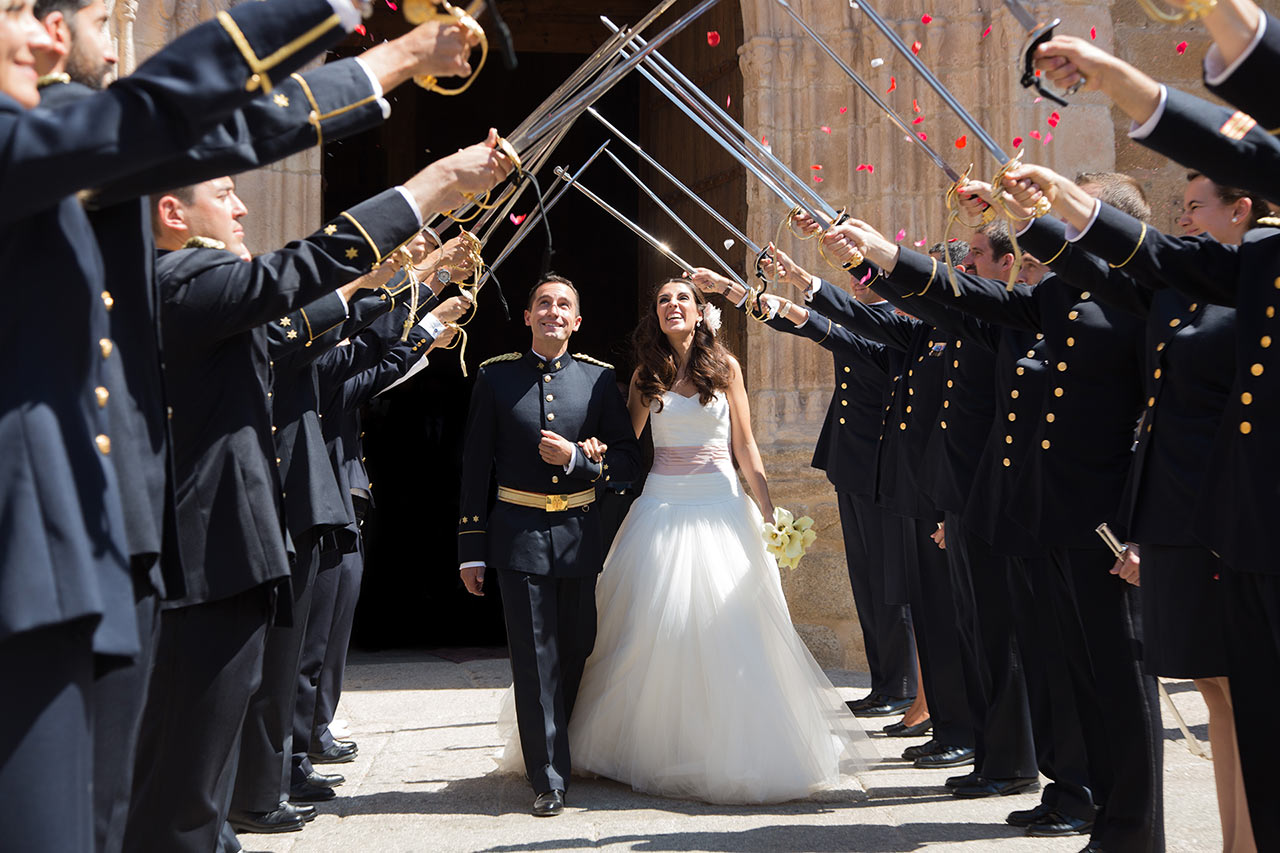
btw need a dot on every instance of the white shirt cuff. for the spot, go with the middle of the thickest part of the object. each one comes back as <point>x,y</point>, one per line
<point>743,300</point>
<point>1024,227</point>
<point>408,196</point>
<point>1142,131</point>
<point>1214,73</point>
<point>1073,235</point>
<point>470,564</point>
<point>431,325</point>
<point>815,284</point>
<point>348,13</point>
<point>377,89</point>
<point>573,457</point>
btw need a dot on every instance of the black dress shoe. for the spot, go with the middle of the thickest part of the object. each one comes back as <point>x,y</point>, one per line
<point>1026,817</point>
<point>327,780</point>
<point>306,792</point>
<point>995,788</point>
<point>548,804</point>
<point>911,753</point>
<point>339,753</point>
<point>277,820</point>
<point>946,756</point>
<point>886,707</point>
<point>974,778</point>
<point>899,729</point>
<point>307,813</point>
<point>855,705</point>
<point>1055,825</point>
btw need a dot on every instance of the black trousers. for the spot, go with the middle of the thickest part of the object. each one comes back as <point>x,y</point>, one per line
<point>208,664</point>
<point>266,745</point>
<point>937,640</point>
<point>1035,590</point>
<point>46,757</point>
<point>119,697</point>
<point>886,628</point>
<point>551,629</point>
<point>997,690</point>
<point>1118,704</point>
<point>1253,654</point>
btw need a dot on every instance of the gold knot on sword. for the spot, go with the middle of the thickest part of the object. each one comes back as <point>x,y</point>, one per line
<point>1042,207</point>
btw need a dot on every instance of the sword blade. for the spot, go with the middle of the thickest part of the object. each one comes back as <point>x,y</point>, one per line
<point>871,93</point>
<point>1025,19</point>
<point>658,167</point>
<point>634,228</point>
<point>934,83</point>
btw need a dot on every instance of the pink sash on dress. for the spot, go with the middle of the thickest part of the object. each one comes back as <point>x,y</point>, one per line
<point>677,461</point>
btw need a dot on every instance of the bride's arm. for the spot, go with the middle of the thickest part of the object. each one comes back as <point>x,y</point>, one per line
<point>636,407</point>
<point>744,441</point>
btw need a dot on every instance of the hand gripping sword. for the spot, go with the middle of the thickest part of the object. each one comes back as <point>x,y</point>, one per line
<point>1038,33</point>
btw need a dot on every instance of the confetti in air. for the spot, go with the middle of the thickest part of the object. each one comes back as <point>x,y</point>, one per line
<point>902,233</point>
<point>877,62</point>
<point>865,167</point>
<point>924,137</point>
<point>728,244</point>
<point>516,220</point>
<point>893,84</point>
<point>825,129</point>
<point>844,110</point>
<point>1017,142</point>
<point>1181,48</point>
<point>987,31</point>
<point>915,47</point>
<point>962,141</point>
<point>926,18</point>
<point>1093,33</point>
<point>1054,118</point>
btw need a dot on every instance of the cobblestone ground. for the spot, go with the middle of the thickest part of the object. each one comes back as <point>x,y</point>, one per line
<point>423,781</point>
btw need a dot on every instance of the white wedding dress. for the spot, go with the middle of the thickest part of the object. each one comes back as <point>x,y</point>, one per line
<point>699,686</point>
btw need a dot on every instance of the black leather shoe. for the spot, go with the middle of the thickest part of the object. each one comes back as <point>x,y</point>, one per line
<point>886,707</point>
<point>327,780</point>
<point>1026,817</point>
<point>1054,825</point>
<point>307,813</point>
<point>946,756</point>
<point>898,729</point>
<point>995,788</point>
<point>974,778</point>
<point>855,705</point>
<point>549,804</point>
<point>911,753</point>
<point>340,753</point>
<point>278,820</point>
<point>306,792</point>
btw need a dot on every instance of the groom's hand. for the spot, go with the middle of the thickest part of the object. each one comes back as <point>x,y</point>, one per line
<point>473,579</point>
<point>555,449</point>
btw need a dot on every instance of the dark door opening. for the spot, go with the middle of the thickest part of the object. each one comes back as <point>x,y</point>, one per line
<point>414,440</point>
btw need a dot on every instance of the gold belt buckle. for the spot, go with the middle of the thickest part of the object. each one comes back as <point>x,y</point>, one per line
<point>557,503</point>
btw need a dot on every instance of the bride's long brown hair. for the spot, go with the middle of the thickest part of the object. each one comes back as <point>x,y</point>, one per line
<point>656,361</point>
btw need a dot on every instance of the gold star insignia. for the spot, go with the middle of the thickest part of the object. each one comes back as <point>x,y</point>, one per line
<point>286,322</point>
<point>475,518</point>
<point>331,230</point>
<point>293,333</point>
<point>281,99</point>
<point>351,253</point>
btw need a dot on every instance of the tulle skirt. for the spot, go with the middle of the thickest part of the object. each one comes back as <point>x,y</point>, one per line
<point>698,686</point>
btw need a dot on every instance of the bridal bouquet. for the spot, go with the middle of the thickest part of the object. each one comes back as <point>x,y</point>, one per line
<point>788,538</point>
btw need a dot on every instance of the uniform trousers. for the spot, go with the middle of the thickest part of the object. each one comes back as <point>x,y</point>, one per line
<point>937,640</point>
<point>1118,704</point>
<point>208,663</point>
<point>119,696</point>
<point>886,628</point>
<point>996,687</point>
<point>324,653</point>
<point>1253,656</point>
<point>266,747</point>
<point>1034,587</point>
<point>551,630</point>
<point>46,760</point>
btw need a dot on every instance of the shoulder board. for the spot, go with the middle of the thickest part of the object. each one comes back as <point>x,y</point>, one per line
<point>506,356</point>
<point>589,360</point>
<point>1270,221</point>
<point>204,243</point>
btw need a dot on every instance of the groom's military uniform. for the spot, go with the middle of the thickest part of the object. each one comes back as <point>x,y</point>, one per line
<point>543,533</point>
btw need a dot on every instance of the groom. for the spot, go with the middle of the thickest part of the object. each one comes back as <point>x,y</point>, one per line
<point>554,427</point>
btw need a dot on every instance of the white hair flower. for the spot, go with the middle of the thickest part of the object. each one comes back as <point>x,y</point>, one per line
<point>711,316</point>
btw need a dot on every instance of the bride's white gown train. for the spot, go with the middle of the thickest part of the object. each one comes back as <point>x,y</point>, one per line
<point>699,686</point>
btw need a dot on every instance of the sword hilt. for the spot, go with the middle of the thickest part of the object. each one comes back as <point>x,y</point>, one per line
<point>760,259</point>
<point>420,11</point>
<point>1029,79</point>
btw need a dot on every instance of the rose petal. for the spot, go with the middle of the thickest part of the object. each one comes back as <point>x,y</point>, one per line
<point>1093,32</point>
<point>1035,134</point>
<point>393,6</point>
<point>893,84</point>
<point>919,243</point>
<point>360,29</point>
<point>987,31</point>
<point>728,99</point>
<point>1037,100</point>
<point>817,179</point>
<point>902,232</point>
<point>924,137</point>
<point>962,141</point>
<point>844,110</point>
<point>1017,142</point>
<point>713,37</point>
<point>915,47</point>
<point>877,62</point>
<point>728,244</point>
<point>1048,137</point>
<point>915,106</point>
<point>865,278</point>
<point>815,167</point>
<point>926,18</point>
<point>917,119</point>
<point>1054,118</point>
<point>516,220</point>
<point>825,129</point>
<point>1181,48</point>
<point>865,167</point>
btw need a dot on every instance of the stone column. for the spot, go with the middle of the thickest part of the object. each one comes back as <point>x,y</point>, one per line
<point>284,199</point>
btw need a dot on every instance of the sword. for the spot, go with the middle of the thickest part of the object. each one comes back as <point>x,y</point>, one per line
<point>1038,33</point>
<point>634,228</point>
<point>678,221</point>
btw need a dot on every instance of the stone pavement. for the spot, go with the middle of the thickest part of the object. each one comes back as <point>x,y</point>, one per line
<point>423,781</point>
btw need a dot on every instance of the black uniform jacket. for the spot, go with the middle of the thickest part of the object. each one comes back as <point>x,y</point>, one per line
<point>266,130</point>
<point>1249,86</point>
<point>514,399</point>
<point>63,551</point>
<point>218,373</point>
<point>1240,499</point>
<point>1083,440</point>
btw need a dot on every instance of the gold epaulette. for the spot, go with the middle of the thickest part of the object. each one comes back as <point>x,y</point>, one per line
<point>1270,221</point>
<point>506,356</point>
<point>204,243</point>
<point>589,360</point>
<point>50,79</point>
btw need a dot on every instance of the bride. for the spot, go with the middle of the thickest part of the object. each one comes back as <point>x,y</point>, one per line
<point>698,686</point>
